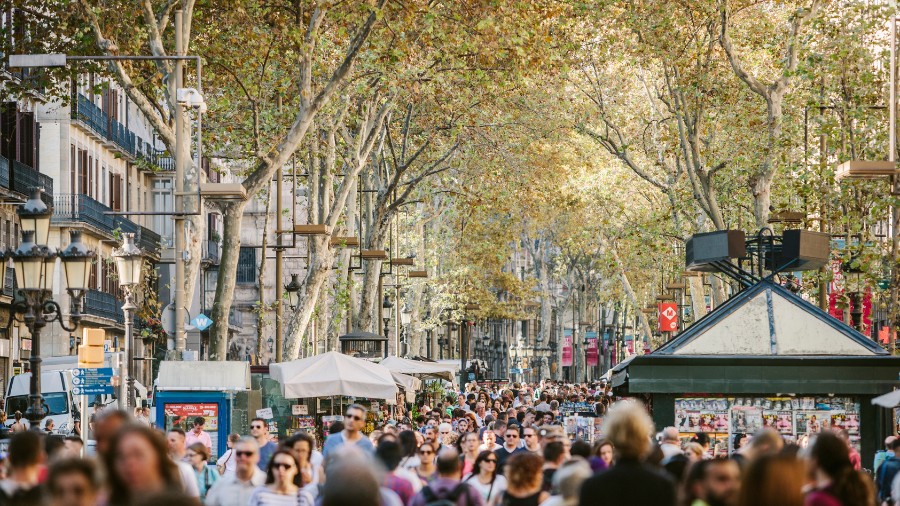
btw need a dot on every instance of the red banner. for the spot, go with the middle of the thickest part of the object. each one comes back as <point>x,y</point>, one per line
<point>667,317</point>
<point>567,348</point>
<point>592,354</point>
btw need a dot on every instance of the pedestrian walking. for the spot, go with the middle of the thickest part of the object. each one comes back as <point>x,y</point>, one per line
<point>19,425</point>
<point>354,421</point>
<point>837,483</point>
<point>26,459</point>
<point>73,482</point>
<point>198,435</point>
<point>524,478</point>
<point>235,489</point>
<point>774,480</point>
<point>139,466</point>
<point>630,481</point>
<point>198,458</point>
<point>283,483</point>
<point>447,486</point>
<point>484,477</point>
<point>226,463</point>
<point>259,430</point>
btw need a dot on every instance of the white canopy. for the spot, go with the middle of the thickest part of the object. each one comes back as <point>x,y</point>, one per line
<point>203,375</point>
<point>333,373</point>
<point>420,368</point>
<point>407,382</point>
<point>888,400</point>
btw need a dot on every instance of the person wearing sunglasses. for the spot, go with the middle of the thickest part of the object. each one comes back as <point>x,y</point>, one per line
<point>283,483</point>
<point>235,489</point>
<point>510,446</point>
<point>425,470</point>
<point>259,430</point>
<point>354,422</point>
<point>484,477</point>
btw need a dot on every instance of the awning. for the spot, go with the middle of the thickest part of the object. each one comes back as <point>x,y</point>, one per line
<point>419,368</point>
<point>888,400</point>
<point>203,375</point>
<point>407,382</point>
<point>334,373</point>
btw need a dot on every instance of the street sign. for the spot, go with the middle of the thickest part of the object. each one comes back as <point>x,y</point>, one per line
<point>93,381</point>
<point>201,322</point>
<point>94,390</point>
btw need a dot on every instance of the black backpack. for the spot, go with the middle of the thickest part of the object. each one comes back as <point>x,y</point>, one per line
<point>432,499</point>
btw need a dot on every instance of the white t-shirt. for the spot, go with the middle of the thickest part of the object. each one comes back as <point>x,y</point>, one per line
<point>188,479</point>
<point>491,490</point>
<point>229,460</point>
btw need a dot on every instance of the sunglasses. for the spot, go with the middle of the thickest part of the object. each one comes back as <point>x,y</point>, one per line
<point>426,453</point>
<point>282,465</point>
<point>355,417</point>
<point>491,461</point>
<point>256,426</point>
<point>244,453</point>
<point>530,435</point>
<point>512,435</point>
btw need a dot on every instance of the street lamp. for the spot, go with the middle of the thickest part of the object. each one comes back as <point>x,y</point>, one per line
<point>293,291</point>
<point>130,268</point>
<point>34,267</point>
<point>386,306</point>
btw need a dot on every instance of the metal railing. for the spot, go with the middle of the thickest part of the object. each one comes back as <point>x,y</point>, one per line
<point>4,172</point>
<point>246,267</point>
<point>103,305</point>
<point>24,178</point>
<point>81,208</point>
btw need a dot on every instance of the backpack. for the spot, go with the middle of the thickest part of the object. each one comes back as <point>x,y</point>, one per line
<point>432,499</point>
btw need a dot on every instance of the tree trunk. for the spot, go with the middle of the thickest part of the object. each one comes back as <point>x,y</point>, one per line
<point>321,260</point>
<point>232,218</point>
<point>698,297</point>
<point>369,295</point>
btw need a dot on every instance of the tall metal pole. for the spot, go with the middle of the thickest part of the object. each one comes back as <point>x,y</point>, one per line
<point>895,189</point>
<point>463,349</point>
<point>397,350</point>
<point>35,322</point>
<point>279,275</point>
<point>126,388</point>
<point>180,251</point>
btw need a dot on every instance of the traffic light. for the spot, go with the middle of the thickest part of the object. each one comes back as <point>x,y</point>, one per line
<point>90,353</point>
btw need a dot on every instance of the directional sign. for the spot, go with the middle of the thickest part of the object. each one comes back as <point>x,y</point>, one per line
<point>94,390</point>
<point>201,322</point>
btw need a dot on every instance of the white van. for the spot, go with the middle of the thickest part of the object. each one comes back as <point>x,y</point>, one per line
<point>56,387</point>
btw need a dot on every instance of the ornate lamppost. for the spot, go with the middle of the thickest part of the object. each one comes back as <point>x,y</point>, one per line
<point>35,264</point>
<point>387,305</point>
<point>130,268</point>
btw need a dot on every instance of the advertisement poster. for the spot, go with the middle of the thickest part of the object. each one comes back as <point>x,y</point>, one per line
<point>592,354</point>
<point>746,419</point>
<point>182,415</point>
<point>567,348</point>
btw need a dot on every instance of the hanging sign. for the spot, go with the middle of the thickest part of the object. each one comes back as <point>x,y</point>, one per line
<point>668,317</point>
<point>567,348</point>
<point>592,354</point>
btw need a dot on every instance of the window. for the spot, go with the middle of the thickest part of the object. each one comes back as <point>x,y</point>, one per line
<point>163,201</point>
<point>246,268</point>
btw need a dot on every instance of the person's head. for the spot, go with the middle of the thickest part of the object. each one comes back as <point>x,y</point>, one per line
<point>176,439</point>
<point>431,434</point>
<point>138,464</point>
<point>199,423</point>
<point>523,471</point>
<point>888,441</point>
<point>468,442</point>
<point>348,464</point>
<point>354,418</point>
<point>670,436</point>
<point>500,428</point>
<point>336,427</point>
<point>569,478</point>
<point>106,425</point>
<point>773,479</point>
<point>511,437</point>
<point>54,446</point>
<point>694,452</point>
<point>606,452</point>
<point>259,429</point>
<point>390,453</point>
<point>628,427</point>
<point>48,424</point>
<point>73,482</point>
<point>26,451</point>
<point>197,455</point>
<point>302,445</point>
<point>232,439</point>
<point>895,447</point>
<point>554,453</point>
<point>18,416</point>
<point>73,446</point>
<point>580,448</point>
<point>766,441</point>
<point>462,425</point>
<point>444,431</point>
<point>715,481</point>
<point>408,441</point>
<point>487,462</point>
<point>702,439</point>
<point>283,468</point>
<point>426,452</point>
<point>829,455</point>
<point>530,435</point>
<point>489,438</point>
<point>246,456</point>
<point>448,464</point>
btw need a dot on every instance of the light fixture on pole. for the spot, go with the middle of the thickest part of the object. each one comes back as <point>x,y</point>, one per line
<point>293,291</point>
<point>34,216</point>
<point>34,266</point>
<point>130,268</point>
<point>387,306</point>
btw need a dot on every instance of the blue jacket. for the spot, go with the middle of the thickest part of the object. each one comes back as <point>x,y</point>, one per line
<point>885,476</point>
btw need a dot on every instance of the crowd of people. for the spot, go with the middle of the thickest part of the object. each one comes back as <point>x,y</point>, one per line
<point>488,446</point>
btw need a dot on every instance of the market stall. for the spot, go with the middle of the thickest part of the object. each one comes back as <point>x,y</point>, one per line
<point>331,380</point>
<point>186,390</point>
<point>765,358</point>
